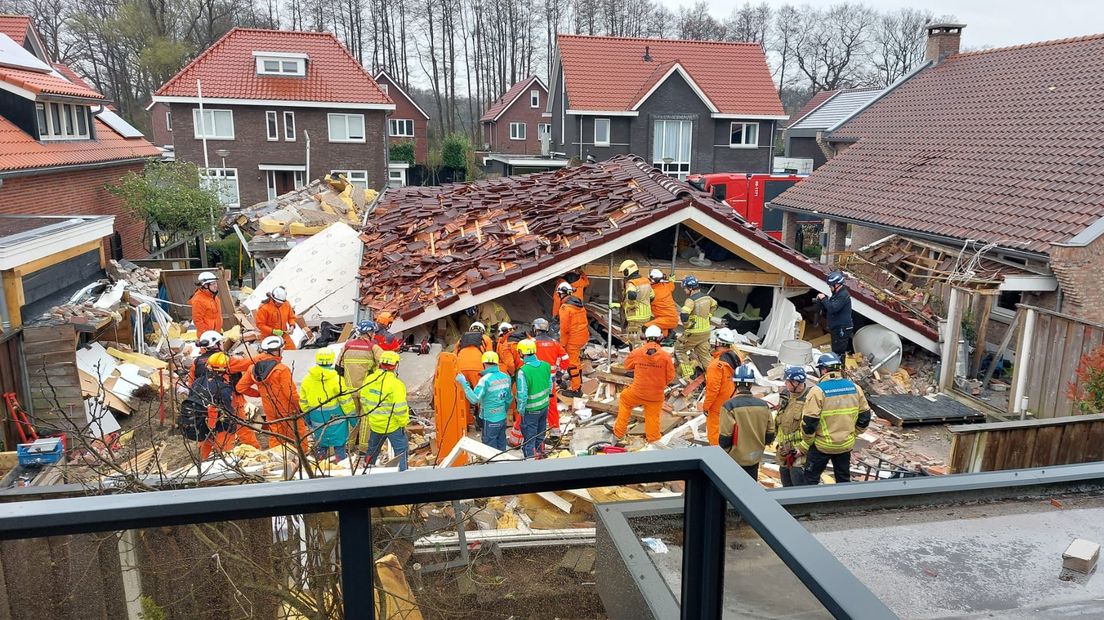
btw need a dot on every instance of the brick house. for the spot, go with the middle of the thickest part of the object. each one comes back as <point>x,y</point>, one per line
<point>993,153</point>
<point>160,123</point>
<point>686,106</point>
<point>408,123</point>
<point>827,109</point>
<point>513,126</point>
<point>279,108</point>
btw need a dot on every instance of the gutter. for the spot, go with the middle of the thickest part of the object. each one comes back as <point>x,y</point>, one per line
<point>8,174</point>
<point>973,243</point>
<point>1085,237</point>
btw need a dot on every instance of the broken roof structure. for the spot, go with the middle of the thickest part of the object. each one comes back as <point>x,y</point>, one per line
<point>433,251</point>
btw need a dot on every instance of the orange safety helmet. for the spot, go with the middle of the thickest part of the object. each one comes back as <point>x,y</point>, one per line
<point>385,318</point>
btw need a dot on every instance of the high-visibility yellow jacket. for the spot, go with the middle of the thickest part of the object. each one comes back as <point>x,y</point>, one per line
<point>789,423</point>
<point>383,401</point>
<point>327,402</point>
<point>696,313</point>
<point>637,305</point>
<point>834,413</point>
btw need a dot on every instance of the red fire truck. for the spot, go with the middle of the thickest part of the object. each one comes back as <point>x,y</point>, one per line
<point>748,195</point>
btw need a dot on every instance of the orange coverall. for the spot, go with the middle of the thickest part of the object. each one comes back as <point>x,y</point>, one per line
<point>653,370</point>
<point>270,316</point>
<point>551,351</point>
<point>279,399</point>
<point>450,407</point>
<point>718,389</point>
<point>244,434</point>
<point>469,361</point>
<point>574,334</point>
<point>580,287</point>
<point>664,310</point>
<point>206,311</point>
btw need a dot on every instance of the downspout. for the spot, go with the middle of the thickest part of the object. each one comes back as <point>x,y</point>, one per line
<point>5,319</point>
<point>770,151</point>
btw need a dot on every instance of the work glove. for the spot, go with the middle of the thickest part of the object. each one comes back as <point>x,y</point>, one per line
<point>615,305</point>
<point>340,370</point>
<point>461,379</point>
<point>277,332</point>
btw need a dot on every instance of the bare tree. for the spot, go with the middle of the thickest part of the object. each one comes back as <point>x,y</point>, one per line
<point>696,22</point>
<point>751,23</point>
<point>897,44</point>
<point>830,46</point>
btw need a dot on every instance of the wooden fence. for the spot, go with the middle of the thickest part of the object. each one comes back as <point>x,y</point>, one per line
<point>1026,443</point>
<point>1049,349</point>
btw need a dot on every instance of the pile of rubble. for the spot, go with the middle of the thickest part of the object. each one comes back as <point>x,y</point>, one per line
<point>306,211</point>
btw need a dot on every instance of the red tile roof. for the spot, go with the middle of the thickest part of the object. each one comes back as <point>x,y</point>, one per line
<point>15,26</point>
<point>810,105</point>
<point>72,76</point>
<point>998,145</point>
<point>228,70</point>
<point>20,151</point>
<point>45,84</point>
<point>733,76</point>
<point>426,246</point>
<point>507,99</point>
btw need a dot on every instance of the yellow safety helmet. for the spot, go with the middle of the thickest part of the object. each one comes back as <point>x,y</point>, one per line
<point>324,357</point>
<point>490,357</point>
<point>628,267</point>
<point>389,358</point>
<point>218,361</point>
<point>527,347</point>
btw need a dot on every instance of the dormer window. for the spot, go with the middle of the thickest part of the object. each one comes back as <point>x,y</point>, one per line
<point>62,121</point>
<point>281,64</point>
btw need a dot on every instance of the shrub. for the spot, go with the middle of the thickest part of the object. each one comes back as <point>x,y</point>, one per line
<point>1087,390</point>
<point>170,195</point>
<point>403,152</point>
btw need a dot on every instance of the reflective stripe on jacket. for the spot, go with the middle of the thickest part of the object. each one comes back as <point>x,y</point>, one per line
<point>639,309</point>
<point>534,387</point>
<point>835,405</point>
<point>699,308</point>
<point>493,394</point>
<point>383,399</point>
<point>326,399</point>
<point>789,423</point>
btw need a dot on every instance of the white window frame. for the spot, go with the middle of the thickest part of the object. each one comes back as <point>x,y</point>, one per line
<point>517,135</point>
<point>289,126</point>
<point>543,129</point>
<point>168,119</point>
<point>597,122</point>
<point>383,87</point>
<point>534,98</point>
<point>356,177</point>
<point>396,174</point>
<point>393,124</point>
<point>678,167</point>
<point>281,64</point>
<point>66,126</point>
<point>336,120</point>
<point>299,179</point>
<point>219,183</point>
<point>212,112</point>
<point>272,125</point>
<point>270,183</point>
<point>744,135</point>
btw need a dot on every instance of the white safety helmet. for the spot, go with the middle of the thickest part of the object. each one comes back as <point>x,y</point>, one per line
<point>564,288</point>
<point>723,336</point>
<point>206,278</point>
<point>504,327</point>
<point>540,325</point>
<point>653,333</point>
<point>478,327</point>
<point>209,339</point>
<point>655,275</point>
<point>272,343</point>
<point>279,293</point>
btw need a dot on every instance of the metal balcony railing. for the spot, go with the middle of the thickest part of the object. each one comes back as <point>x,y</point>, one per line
<point>713,483</point>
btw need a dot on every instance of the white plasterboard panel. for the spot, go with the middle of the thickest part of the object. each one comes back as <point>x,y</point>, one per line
<point>320,275</point>
<point>95,361</point>
<point>101,422</point>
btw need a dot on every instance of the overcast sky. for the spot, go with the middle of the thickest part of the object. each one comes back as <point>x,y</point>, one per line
<point>993,23</point>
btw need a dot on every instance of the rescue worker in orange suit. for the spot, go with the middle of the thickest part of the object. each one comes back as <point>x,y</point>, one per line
<point>747,427</point>
<point>550,350</point>
<point>469,360</point>
<point>211,397</point>
<point>481,329</point>
<point>665,314</point>
<point>206,307</point>
<point>275,317</point>
<point>636,303</point>
<point>509,362</point>
<point>574,334</point>
<point>652,370</point>
<point>450,407</point>
<point>383,337</point>
<point>718,381</point>
<point>269,379</point>
<point>578,281</point>
<point>211,344</point>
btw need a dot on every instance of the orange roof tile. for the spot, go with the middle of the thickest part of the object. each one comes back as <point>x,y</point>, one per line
<point>72,76</point>
<point>1000,145</point>
<point>20,151</point>
<point>45,84</point>
<point>15,26</point>
<point>228,70</point>
<point>733,76</point>
<point>507,99</point>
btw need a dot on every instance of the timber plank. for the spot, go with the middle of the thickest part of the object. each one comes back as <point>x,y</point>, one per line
<point>1036,365</point>
<point>1075,343</point>
<point>1094,444</point>
<point>1052,366</point>
<point>1004,442</point>
<point>53,332</point>
<point>1046,446</point>
<point>49,346</point>
<point>1024,449</point>
<point>962,451</point>
<point>988,460</point>
<point>1072,447</point>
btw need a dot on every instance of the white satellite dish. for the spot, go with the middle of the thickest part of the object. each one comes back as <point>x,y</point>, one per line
<point>879,344</point>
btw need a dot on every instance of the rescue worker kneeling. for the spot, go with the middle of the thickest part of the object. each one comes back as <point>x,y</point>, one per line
<point>746,424</point>
<point>383,400</point>
<point>493,395</point>
<point>835,412</point>
<point>326,401</point>
<point>652,370</point>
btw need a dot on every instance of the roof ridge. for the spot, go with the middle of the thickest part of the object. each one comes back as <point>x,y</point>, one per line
<point>1034,44</point>
<point>282,31</point>
<point>662,40</point>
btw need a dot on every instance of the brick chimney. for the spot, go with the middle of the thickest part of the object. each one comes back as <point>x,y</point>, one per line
<point>943,41</point>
